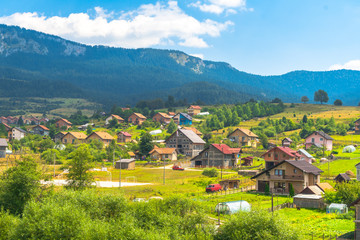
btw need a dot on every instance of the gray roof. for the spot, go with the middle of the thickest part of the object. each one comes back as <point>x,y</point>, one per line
<point>305,166</point>
<point>187,116</point>
<point>20,129</point>
<point>308,196</point>
<point>287,139</point>
<point>343,176</point>
<point>194,138</point>
<point>126,160</point>
<point>321,133</point>
<point>303,151</point>
<point>3,142</point>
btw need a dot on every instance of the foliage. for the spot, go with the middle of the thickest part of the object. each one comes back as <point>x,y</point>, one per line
<point>8,224</point>
<point>267,189</point>
<point>79,165</point>
<point>321,96</point>
<point>210,172</point>
<point>146,144</point>
<point>172,127</point>
<point>256,225</point>
<point>271,127</point>
<point>345,193</point>
<point>338,102</point>
<point>50,154</point>
<point>304,99</point>
<point>19,184</point>
<point>264,140</point>
<point>78,118</point>
<point>89,130</point>
<point>291,190</point>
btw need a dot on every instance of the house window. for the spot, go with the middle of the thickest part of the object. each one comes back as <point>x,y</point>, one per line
<point>269,155</point>
<point>294,170</point>
<point>313,140</point>
<point>278,172</point>
<point>284,155</point>
<point>206,154</point>
<point>166,155</point>
<point>321,139</point>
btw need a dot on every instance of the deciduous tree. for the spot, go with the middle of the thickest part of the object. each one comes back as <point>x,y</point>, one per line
<point>304,99</point>
<point>321,96</point>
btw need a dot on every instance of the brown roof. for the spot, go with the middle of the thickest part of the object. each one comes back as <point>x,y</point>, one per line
<point>171,113</point>
<point>195,107</point>
<point>102,135</point>
<point>139,115</point>
<point>117,117</point>
<point>163,150</point>
<point>312,190</point>
<point>325,186</point>
<point>193,129</point>
<point>78,135</point>
<point>65,120</point>
<point>247,132</point>
<point>43,127</point>
<point>164,115</point>
<point>131,154</point>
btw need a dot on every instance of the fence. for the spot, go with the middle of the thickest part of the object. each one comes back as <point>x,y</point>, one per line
<point>229,191</point>
<point>281,206</point>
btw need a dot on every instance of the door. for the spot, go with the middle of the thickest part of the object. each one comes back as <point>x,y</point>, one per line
<point>262,185</point>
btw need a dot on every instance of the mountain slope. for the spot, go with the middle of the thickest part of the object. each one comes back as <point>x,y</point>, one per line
<point>125,76</point>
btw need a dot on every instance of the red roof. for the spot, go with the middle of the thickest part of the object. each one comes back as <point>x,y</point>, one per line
<point>287,150</point>
<point>195,107</point>
<point>226,149</point>
<point>126,134</point>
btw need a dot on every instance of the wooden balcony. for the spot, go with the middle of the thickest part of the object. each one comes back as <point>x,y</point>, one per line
<point>287,177</point>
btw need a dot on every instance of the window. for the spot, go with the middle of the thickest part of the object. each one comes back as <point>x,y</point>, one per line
<point>294,170</point>
<point>206,154</point>
<point>269,155</point>
<point>284,155</point>
<point>313,140</point>
<point>321,139</point>
<point>278,172</point>
<point>166,155</point>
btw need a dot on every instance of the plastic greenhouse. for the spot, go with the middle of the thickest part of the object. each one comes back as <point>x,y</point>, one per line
<point>349,149</point>
<point>338,208</point>
<point>233,207</point>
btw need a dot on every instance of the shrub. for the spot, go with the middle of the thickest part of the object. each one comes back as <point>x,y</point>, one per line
<point>267,189</point>
<point>291,190</point>
<point>210,172</point>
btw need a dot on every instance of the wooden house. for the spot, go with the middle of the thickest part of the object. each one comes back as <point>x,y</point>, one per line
<point>286,142</point>
<point>342,177</point>
<point>3,146</point>
<point>278,154</point>
<point>128,164</point>
<point>299,174</point>
<point>319,139</point>
<point>182,119</point>
<point>113,116</point>
<point>186,142</point>
<point>74,138</point>
<point>136,119</point>
<point>194,110</point>
<point>58,137</point>
<point>217,155</point>
<point>163,154</point>
<point>104,137</point>
<point>41,130</point>
<point>161,118</point>
<point>244,137</point>
<point>123,137</point>
<point>63,123</point>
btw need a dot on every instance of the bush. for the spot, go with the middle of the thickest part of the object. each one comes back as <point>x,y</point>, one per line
<point>291,190</point>
<point>210,172</point>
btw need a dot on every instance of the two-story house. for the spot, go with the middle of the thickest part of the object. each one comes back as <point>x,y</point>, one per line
<point>17,133</point>
<point>186,142</point>
<point>278,178</point>
<point>136,119</point>
<point>217,155</point>
<point>194,130</point>
<point>357,126</point>
<point>104,137</point>
<point>3,146</point>
<point>319,139</point>
<point>63,123</point>
<point>41,130</point>
<point>278,154</point>
<point>113,116</point>
<point>161,118</point>
<point>194,110</point>
<point>123,137</point>
<point>74,138</point>
<point>244,137</point>
<point>182,119</point>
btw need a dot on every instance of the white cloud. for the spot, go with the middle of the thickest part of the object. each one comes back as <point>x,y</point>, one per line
<point>220,6</point>
<point>351,65</point>
<point>149,25</point>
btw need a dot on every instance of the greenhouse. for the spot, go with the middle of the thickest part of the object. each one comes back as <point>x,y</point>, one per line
<point>338,208</point>
<point>349,149</point>
<point>233,207</point>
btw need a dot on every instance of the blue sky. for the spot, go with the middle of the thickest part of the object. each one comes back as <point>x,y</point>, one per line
<point>256,36</point>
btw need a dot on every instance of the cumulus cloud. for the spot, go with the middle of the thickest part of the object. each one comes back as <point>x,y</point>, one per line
<point>351,65</point>
<point>149,25</point>
<point>220,6</point>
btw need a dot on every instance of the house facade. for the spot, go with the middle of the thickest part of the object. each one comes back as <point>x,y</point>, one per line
<point>163,154</point>
<point>74,138</point>
<point>356,204</point>
<point>357,171</point>
<point>128,164</point>
<point>299,174</point>
<point>62,122</point>
<point>217,155</point>
<point>59,136</point>
<point>104,137</point>
<point>41,130</point>
<point>123,137</point>
<point>244,137</point>
<point>186,142</point>
<point>304,155</point>
<point>3,146</point>
<point>286,142</point>
<point>161,118</point>
<point>357,126</point>
<point>194,110</point>
<point>113,116</point>
<point>278,154</point>
<point>136,119</point>
<point>319,139</point>
<point>17,133</point>
<point>182,119</point>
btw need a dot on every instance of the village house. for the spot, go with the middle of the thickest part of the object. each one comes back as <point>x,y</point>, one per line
<point>7,127</point>
<point>163,154</point>
<point>3,146</point>
<point>186,142</point>
<point>123,137</point>
<point>286,142</point>
<point>104,137</point>
<point>58,137</point>
<point>217,155</point>
<point>161,118</point>
<point>304,155</point>
<point>319,139</point>
<point>63,123</point>
<point>357,126</point>
<point>113,116</point>
<point>136,119</point>
<point>342,177</point>
<point>74,138</point>
<point>194,130</point>
<point>41,130</point>
<point>194,110</point>
<point>171,114</point>
<point>128,164</point>
<point>182,119</point>
<point>244,137</point>
<point>299,174</point>
<point>17,133</point>
<point>278,154</point>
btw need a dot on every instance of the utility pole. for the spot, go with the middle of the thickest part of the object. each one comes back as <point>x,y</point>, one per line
<point>120,171</point>
<point>222,151</point>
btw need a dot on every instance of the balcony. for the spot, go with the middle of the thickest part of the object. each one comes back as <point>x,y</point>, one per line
<point>287,177</point>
